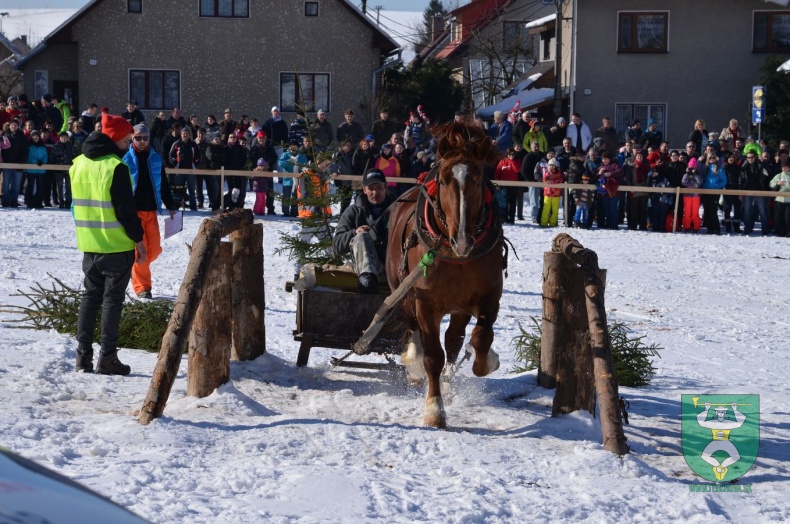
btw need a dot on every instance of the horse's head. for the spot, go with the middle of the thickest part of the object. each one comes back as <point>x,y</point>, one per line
<point>463,150</point>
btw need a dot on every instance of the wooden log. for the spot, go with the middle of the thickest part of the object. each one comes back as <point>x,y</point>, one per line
<point>550,327</point>
<point>210,336</point>
<point>574,366</point>
<point>248,302</point>
<point>605,382</point>
<point>176,337</point>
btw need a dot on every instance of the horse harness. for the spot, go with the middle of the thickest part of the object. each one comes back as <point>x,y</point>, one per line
<point>487,232</point>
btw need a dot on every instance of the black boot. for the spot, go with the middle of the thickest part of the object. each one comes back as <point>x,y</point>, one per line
<point>84,360</point>
<point>368,283</point>
<point>110,365</point>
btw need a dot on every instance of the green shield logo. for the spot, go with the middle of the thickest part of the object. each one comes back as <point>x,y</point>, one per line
<point>720,434</point>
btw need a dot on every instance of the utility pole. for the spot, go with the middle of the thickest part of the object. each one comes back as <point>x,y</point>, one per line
<point>558,62</point>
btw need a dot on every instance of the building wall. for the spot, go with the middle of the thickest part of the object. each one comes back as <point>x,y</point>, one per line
<point>708,72</point>
<point>223,62</point>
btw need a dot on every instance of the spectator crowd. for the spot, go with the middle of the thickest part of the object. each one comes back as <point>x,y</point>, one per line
<point>46,132</point>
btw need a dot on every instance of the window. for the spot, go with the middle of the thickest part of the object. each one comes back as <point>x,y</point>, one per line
<point>134,6</point>
<point>311,8</point>
<point>311,92</point>
<point>771,31</point>
<point>625,114</point>
<point>225,8</point>
<point>155,89</point>
<point>643,32</point>
<point>514,34</point>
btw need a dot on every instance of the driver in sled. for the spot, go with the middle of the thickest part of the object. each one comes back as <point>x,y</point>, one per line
<point>363,230</point>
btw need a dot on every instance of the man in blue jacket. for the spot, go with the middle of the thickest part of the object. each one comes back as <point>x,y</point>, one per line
<point>151,189</point>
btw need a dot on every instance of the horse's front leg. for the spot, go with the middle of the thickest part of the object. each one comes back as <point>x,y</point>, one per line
<point>433,359</point>
<point>486,359</point>
<point>455,334</point>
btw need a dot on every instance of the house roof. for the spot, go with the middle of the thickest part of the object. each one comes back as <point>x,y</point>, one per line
<point>527,100</point>
<point>17,52</point>
<point>475,14</point>
<point>532,76</point>
<point>380,38</point>
<point>529,91</point>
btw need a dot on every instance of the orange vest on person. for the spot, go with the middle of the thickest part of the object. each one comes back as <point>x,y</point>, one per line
<point>320,189</point>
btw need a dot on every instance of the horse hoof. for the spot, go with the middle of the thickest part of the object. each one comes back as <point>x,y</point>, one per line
<point>434,413</point>
<point>490,365</point>
<point>433,421</point>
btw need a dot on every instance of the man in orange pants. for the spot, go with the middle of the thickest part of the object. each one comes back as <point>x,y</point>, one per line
<point>151,191</point>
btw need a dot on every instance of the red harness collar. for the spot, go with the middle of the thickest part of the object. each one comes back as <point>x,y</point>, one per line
<point>428,219</point>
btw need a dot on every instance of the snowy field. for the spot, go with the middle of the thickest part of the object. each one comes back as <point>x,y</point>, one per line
<point>318,444</point>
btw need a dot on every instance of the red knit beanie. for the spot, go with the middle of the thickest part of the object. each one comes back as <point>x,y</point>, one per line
<point>115,127</point>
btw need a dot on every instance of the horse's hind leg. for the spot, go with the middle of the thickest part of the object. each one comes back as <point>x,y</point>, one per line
<point>454,336</point>
<point>486,359</point>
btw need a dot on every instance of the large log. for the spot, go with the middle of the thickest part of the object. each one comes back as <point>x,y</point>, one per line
<point>574,372</point>
<point>210,337</point>
<point>249,332</point>
<point>176,337</point>
<point>550,327</point>
<point>605,382</point>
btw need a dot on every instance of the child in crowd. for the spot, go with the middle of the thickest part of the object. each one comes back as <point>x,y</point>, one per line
<point>551,195</point>
<point>692,180</point>
<point>62,154</point>
<point>508,170</point>
<point>260,186</point>
<point>583,199</point>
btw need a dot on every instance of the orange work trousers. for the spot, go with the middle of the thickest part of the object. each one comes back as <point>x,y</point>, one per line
<point>141,273</point>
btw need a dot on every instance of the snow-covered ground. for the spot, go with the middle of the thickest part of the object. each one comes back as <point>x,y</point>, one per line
<point>321,444</point>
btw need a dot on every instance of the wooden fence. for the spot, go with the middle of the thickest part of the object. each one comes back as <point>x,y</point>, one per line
<point>222,173</point>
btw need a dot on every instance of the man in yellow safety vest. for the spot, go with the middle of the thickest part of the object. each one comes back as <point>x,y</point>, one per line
<point>108,231</point>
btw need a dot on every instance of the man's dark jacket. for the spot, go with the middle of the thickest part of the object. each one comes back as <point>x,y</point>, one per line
<point>361,214</point>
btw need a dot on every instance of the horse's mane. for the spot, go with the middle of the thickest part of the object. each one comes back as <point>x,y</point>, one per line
<point>460,142</point>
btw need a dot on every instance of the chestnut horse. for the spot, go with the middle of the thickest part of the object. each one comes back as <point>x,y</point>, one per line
<point>453,215</point>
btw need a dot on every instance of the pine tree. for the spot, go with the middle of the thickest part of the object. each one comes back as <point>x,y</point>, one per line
<point>318,200</point>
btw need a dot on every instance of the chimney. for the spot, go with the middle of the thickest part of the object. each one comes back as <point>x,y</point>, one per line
<point>23,38</point>
<point>436,26</point>
<point>364,6</point>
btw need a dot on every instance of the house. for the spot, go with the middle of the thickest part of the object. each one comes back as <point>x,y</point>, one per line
<point>11,52</point>
<point>489,45</point>
<point>673,61</point>
<point>208,55</point>
<point>535,90</point>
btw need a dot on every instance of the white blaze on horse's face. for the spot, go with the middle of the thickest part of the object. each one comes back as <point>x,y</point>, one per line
<point>461,243</point>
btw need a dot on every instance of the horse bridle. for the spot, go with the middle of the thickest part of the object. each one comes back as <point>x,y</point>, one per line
<point>432,237</point>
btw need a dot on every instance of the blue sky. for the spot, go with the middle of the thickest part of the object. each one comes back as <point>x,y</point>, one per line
<point>390,5</point>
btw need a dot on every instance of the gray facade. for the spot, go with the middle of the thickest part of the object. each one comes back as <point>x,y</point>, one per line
<point>707,71</point>
<point>218,62</point>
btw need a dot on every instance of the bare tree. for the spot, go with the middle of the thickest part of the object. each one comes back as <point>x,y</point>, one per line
<point>498,58</point>
<point>10,80</point>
